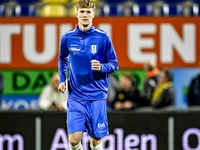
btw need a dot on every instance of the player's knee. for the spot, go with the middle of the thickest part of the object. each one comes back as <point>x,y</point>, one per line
<point>95,141</point>
<point>74,141</point>
<point>74,138</point>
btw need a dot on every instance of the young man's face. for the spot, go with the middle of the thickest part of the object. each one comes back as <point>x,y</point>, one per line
<point>85,16</point>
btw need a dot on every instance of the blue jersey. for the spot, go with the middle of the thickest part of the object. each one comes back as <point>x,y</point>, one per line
<point>77,49</point>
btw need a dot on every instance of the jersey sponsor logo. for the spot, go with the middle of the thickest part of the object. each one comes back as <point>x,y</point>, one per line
<point>101,131</point>
<point>74,49</point>
<point>101,125</point>
<point>93,49</point>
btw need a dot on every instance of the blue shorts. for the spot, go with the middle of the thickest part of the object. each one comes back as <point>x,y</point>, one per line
<point>84,115</point>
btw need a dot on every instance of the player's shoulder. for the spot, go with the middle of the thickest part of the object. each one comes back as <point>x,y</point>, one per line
<point>100,32</point>
<point>69,33</point>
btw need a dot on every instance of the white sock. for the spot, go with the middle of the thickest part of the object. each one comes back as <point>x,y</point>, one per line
<point>76,147</point>
<point>98,147</point>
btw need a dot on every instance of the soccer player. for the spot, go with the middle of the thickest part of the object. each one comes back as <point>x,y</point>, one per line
<point>90,56</point>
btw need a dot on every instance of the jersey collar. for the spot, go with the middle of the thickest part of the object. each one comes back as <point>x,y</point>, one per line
<point>87,31</point>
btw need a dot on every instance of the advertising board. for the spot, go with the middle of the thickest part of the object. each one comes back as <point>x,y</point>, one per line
<point>131,130</point>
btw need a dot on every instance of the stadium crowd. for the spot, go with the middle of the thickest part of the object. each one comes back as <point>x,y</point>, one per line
<point>157,91</point>
<point>66,8</point>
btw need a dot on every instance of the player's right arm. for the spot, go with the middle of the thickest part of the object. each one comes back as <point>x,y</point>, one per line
<point>62,87</point>
<point>63,60</point>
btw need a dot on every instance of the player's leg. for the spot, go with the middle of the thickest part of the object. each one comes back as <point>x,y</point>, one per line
<point>96,143</point>
<point>75,123</point>
<point>97,123</point>
<point>75,141</point>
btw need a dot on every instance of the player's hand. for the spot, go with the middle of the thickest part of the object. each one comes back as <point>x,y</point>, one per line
<point>62,87</point>
<point>96,65</point>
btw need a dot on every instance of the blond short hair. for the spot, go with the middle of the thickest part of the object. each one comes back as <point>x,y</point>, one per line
<point>85,4</point>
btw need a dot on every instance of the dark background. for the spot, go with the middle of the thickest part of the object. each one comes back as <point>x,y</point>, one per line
<point>139,122</point>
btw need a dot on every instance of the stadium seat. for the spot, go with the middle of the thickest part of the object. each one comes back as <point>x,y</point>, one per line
<point>173,1</point>
<point>75,1</point>
<point>172,10</point>
<point>26,1</point>
<point>3,1</point>
<point>24,10</point>
<point>196,1</point>
<point>55,1</point>
<point>54,11</point>
<point>112,10</point>
<point>2,10</point>
<point>114,1</point>
<point>195,10</point>
<point>73,11</point>
<point>144,1</point>
<point>142,10</point>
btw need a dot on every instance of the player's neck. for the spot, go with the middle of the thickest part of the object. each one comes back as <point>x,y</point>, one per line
<point>84,27</point>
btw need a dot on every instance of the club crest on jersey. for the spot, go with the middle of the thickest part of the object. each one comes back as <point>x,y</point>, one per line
<point>93,49</point>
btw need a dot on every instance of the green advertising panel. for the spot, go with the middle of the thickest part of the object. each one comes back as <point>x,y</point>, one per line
<point>25,81</point>
<point>32,81</point>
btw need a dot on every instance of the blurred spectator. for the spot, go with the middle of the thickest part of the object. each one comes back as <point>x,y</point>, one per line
<point>163,95</point>
<point>1,86</point>
<point>52,99</point>
<point>151,81</point>
<point>194,91</point>
<point>127,95</point>
<point>113,87</point>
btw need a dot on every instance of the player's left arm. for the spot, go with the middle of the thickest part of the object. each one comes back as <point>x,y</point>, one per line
<point>63,61</point>
<point>111,64</point>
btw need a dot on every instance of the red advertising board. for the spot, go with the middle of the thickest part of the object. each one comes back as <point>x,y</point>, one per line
<point>33,43</point>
